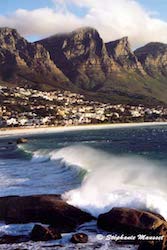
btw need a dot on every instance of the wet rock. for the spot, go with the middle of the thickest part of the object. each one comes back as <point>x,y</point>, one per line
<point>41,233</point>
<point>79,238</point>
<point>156,214</point>
<point>22,140</point>
<point>129,221</point>
<point>135,222</point>
<point>52,246</point>
<point>163,231</point>
<point>45,209</point>
<point>10,239</point>
<point>20,249</point>
<point>149,246</point>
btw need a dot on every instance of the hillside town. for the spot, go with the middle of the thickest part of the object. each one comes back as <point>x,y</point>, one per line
<point>20,107</point>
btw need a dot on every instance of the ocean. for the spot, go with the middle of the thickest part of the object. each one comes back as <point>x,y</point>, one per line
<point>94,170</point>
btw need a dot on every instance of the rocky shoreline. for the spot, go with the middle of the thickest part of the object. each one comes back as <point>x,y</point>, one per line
<point>53,217</point>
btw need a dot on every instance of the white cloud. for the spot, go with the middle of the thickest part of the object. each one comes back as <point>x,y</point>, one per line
<point>112,18</point>
<point>40,22</point>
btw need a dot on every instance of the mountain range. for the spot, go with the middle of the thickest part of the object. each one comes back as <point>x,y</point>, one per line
<point>81,61</point>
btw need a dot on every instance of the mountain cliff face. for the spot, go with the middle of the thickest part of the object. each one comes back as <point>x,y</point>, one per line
<point>25,62</point>
<point>81,61</point>
<point>120,51</point>
<point>87,61</point>
<point>81,55</point>
<point>153,57</point>
<point>110,71</point>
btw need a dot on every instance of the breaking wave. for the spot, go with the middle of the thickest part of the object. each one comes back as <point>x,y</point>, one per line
<point>116,181</point>
<point>107,180</point>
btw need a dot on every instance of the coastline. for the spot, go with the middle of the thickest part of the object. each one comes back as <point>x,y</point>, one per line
<point>22,131</point>
<point>88,221</point>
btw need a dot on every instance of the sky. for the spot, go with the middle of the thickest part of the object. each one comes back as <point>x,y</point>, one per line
<point>143,21</point>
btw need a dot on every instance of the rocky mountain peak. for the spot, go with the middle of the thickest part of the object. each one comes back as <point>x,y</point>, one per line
<point>80,42</point>
<point>7,31</point>
<point>10,39</point>
<point>80,60</point>
<point>120,51</point>
<point>79,33</point>
<point>85,30</point>
<point>25,62</point>
<point>153,57</point>
<point>120,47</point>
<point>80,55</point>
<point>152,49</point>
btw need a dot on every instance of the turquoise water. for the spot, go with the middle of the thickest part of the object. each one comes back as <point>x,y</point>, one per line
<point>50,163</point>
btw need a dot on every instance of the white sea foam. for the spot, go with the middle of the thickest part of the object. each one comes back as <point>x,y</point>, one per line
<point>40,156</point>
<point>116,181</point>
<point>66,155</point>
<point>111,181</point>
<point>77,155</point>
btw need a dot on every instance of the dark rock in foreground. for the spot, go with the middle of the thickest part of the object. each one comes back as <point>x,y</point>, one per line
<point>46,209</point>
<point>148,246</point>
<point>79,238</point>
<point>10,239</point>
<point>41,233</point>
<point>134,222</point>
<point>129,220</point>
<point>62,217</point>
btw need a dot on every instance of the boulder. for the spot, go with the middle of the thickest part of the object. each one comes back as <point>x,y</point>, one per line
<point>41,233</point>
<point>135,222</point>
<point>156,214</point>
<point>22,140</point>
<point>79,238</point>
<point>147,246</point>
<point>163,231</point>
<point>129,221</point>
<point>45,209</point>
<point>11,239</point>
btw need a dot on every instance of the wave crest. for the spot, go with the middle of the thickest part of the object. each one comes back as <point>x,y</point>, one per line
<point>109,180</point>
<point>115,181</point>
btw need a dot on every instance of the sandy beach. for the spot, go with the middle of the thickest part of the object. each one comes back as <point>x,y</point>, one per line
<point>5,132</point>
